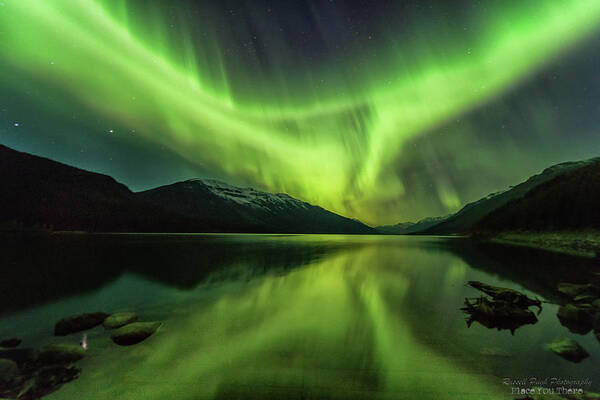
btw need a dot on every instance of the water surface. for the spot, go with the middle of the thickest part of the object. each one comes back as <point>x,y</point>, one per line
<point>289,316</point>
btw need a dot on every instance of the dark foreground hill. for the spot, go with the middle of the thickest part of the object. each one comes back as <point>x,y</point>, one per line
<point>38,192</point>
<point>465,220</point>
<point>568,202</point>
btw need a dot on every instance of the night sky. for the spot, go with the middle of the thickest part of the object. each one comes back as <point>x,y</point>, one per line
<point>385,111</point>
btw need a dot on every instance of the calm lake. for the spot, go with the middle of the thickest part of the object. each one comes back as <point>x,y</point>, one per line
<point>290,316</point>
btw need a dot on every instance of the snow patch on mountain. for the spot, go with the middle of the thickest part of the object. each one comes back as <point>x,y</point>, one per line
<point>248,196</point>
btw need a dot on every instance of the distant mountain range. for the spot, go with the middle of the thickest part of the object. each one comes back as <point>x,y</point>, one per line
<point>41,193</point>
<point>38,192</point>
<point>406,228</point>
<point>560,197</point>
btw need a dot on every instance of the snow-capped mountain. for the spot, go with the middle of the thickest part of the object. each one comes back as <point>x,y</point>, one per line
<point>41,193</point>
<point>248,196</point>
<point>234,209</point>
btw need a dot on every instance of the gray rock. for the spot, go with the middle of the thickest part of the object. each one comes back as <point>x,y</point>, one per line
<point>61,354</point>
<point>495,352</point>
<point>506,295</point>
<point>9,371</point>
<point>134,333</point>
<point>585,298</point>
<point>10,343</point>
<point>79,323</point>
<point>47,380</point>
<point>569,350</point>
<point>10,379</point>
<point>497,314</point>
<point>573,290</point>
<point>577,318</point>
<point>118,320</point>
<point>23,357</point>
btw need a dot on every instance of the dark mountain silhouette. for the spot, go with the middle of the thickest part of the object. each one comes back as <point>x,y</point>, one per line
<point>566,202</point>
<point>465,219</point>
<point>41,193</point>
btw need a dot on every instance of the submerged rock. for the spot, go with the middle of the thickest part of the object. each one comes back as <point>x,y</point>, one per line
<point>577,318</point>
<point>79,323</point>
<point>495,352</point>
<point>506,295</point>
<point>569,350</point>
<point>584,298</point>
<point>10,378</point>
<point>134,333</point>
<point>574,290</point>
<point>497,314</point>
<point>61,354</point>
<point>118,320</point>
<point>25,358</point>
<point>47,380</point>
<point>28,374</point>
<point>10,343</point>
<point>9,370</point>
<point>507,309</point>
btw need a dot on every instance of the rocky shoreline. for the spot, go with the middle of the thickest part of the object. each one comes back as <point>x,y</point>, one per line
<point>29,373</point>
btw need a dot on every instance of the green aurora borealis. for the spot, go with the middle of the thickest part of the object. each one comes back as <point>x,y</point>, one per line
<point>332,125</point>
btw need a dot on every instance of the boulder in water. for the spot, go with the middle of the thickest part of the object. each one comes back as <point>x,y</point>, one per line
<point>497,314</point>
<point>9,374</point>
<point>134,333</point>
<point>506,295</point>
<point>79,323</point>
<point>507,308</point>
<point>29,374</point>
<point>61,354</point>
<point>577,318</point>
<point>25,358</point>
<point>10,343</point>
<point>48,379</point>
<point>569,350</point>
<point>573,290</point>
<point>118,320</point>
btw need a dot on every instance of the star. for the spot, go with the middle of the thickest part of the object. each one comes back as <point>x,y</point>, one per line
<point>111,131</point>
<point>16,124</point>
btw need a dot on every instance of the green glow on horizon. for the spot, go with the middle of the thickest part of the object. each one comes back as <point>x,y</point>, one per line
<point>330,146</point>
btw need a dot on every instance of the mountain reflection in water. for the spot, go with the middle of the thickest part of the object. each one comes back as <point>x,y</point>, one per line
<point>290,317</point>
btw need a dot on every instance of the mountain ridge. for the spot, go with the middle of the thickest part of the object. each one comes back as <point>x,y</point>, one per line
<point>406,228</point>
<point>566,202</point>
<point>40,192</point>
<point>464,220</point>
